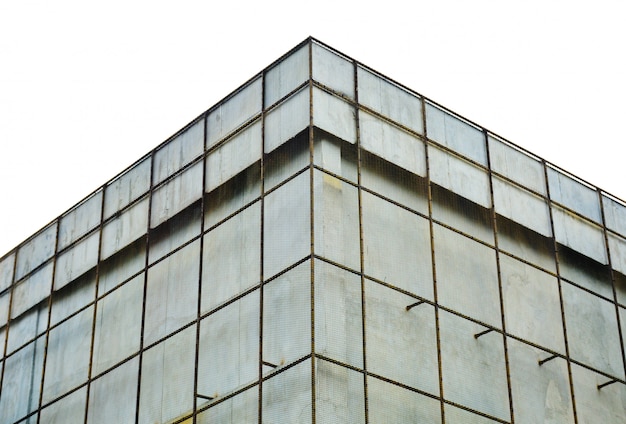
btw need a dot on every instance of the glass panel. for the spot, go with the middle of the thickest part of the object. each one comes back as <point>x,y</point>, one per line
<point>474,372</point>
<point>112,397</point>
<point>617,247</point>
<point>336,220</point>
<point>461,416</point>
<point>401,344</point>
<point>80,220</point>
<point>232,195</point>
<point>229,347</point>
<point>21,382</point>
<point>67,359</point>
<point>459,176</point>
<point>175,232</point>
<point>4,318</point>
<point>593,405</point>
<point>614,215</point>
<point>69,410</point>
<point>287,75</point>
<point>287,396</point>
<point>243,408</point>
<point>526,244</point>
<point>6,271</point>
<point>72,297</point>
<point>287,316</point>
<point>392,144</point>
<point>592,333</point>
<point>118,325</point>
<point>541,394</point>
<point>578,234</point>
<point>396,246</point>
<point>388,99</point>
<point>456,134</point>
<point>287,120</point>
<point>333,71</point>
<point>388,403</point>
<point>127,187</point>
<point>334,115</point>
<point>128,227</point>
<point>521,206</point>
<point>176,195</point>
<point>335,155</point>
<point>167,379</point>
<point>573,194</point>
<point>28,326</point>
<point>462,214</point>
<point>287,160</point>
<point>532,308</point>
<point>77,260</point>
<point>394,183</point>
<point>339,394</point>
<point>36,251</point>
<point>234,111</point>
<point>287,230</point>
<point>172,293</point>
<point>516,165</point>
<point>467,283</point>
<point>31,291</point>
<point>585,272</point>
<point>121,266</point>
<point>237,154</point>
<point>338,318</point>
<point>179,152</point>
<point>231,257</point>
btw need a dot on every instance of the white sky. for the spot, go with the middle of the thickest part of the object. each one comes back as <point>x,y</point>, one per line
<point>87,88</point>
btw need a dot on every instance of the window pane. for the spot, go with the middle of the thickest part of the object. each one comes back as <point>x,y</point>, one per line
<point>285,76</point>
<point>231,257</point>
<point>80,220</point>
<point>336,220</point>
<point>179,152</point>
<point>79,259</point>
<point>521,206</point>
<point>338,317</point>
<point>73,297</point>
<point>237,154</point>
<point>335,155</point>
<point>526,244</point>
<point>128,227</point>
<point>396,246</point>
<point>167,379</point>
<point>474,372</point>
<point>287,160</point>
<point>67,359</point>
<point>614,215</point>
<point>121,266</point>
<point>112,396</point>
<point>333,71</point>
<point>287,120</point>
<point>392,144</point>
<point>133,183</point>
<point>287,396</point>
<point>69,410</point>
<point>287,230</point>
<point>339,394</point>
<point>6,271</point>
<point>176,195</point>
<point>585,272</point>
<point>36,251</point>
<point>593,405</point>
<point>229,347</point>
<point>456,134</point>
<point>517,165</point>
<point>532,308</point>
<point>118,325</point>
<point>467,283</point>
<point>287,316</point>
<point>579,234</point>
<point>540,393</point>
<point>172,293</point>
<point>574,195</point>
<point>233,112</point>
<point>334,115</point>
<point>31,291</point>
<point>401,345</point>
<point>175,232</point>
<point>28,326</point>
<point>388,99</point>
<point>242,408</point>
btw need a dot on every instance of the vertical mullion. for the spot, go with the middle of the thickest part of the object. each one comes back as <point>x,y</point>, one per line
<point>312,225</point>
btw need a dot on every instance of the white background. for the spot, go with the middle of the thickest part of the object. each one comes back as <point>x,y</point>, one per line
<point>87,88</point>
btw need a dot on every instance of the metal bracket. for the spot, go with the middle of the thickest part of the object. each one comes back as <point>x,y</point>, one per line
<point>415,304</point>
<point>482,333</point>
<point>269,364</point>
<point>600,386</point>
<point>549,358</point>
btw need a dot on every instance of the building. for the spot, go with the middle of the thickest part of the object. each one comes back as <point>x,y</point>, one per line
<point>324,245</point>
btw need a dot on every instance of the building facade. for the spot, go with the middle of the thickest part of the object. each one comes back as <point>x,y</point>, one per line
<point>324,245</point>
